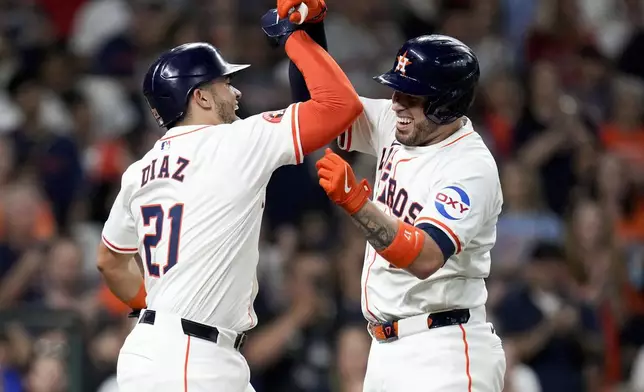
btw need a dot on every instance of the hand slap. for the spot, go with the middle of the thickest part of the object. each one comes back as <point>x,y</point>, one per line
<point>316,10</point>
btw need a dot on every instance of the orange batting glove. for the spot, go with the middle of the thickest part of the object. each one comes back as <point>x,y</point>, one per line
<point>340,184</point>
<point>317,10</point>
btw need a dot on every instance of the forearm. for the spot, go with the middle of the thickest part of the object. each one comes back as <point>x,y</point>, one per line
<point>529,344</point>
<point>17,279</point>
<point>333,105</point>
<point>543,148</point>
<point>122,276</point>
<point>299,91</point>
<point>378,228</point>
<point>268,345</point>
<point>382,232</point>
<point>124,281</point>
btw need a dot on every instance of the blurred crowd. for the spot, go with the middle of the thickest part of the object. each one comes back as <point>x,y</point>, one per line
<point>560,104</point>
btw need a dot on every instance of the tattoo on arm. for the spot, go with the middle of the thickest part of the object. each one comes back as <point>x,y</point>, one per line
<point>379,230</point>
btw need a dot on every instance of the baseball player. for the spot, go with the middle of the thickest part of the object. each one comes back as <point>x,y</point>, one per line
<point>192,209</point>
<point>430,225</point>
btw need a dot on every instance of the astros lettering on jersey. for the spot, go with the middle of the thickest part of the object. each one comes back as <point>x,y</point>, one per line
<point>452,185</point>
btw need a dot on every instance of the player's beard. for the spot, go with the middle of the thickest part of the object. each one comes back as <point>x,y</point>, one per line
<point>421,134</point>
<point>225,110</point>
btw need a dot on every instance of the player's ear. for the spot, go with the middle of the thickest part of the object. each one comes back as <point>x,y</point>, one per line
<point>203,98</point>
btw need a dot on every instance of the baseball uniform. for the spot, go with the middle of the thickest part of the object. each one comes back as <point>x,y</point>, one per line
<point>192,208</point>
<point>452,186</point>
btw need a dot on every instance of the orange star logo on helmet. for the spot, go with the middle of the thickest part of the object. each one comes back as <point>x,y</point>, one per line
<point>403,62</point>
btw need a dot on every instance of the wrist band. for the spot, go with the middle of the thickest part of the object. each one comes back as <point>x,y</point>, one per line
<point>405,247</point>
<point>138,302</point>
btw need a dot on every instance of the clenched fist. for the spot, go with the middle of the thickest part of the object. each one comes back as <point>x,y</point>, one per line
<point>340,184</point>
<point>317,10</point>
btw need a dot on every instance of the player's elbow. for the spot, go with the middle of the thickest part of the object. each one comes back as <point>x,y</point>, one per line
<point>423,268</point>
<point>427,263</point>
<point>354,106</point>
<point>102,258</point>
<point>348,110</point>
<point>341,111</point>
<point>106,260</point>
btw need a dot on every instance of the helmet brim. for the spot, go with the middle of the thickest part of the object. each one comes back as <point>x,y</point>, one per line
<point>233,68</point>
<point>405,84</point>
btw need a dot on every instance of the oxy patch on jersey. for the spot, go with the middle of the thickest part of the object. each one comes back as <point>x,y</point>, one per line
<point>453,202</point>
<point>274,117</point>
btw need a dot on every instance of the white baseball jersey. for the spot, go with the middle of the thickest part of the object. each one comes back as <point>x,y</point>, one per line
<point>452,185</point>
<point>192,208</point>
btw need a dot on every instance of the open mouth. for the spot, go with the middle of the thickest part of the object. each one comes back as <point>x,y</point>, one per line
<point>236,106</point>
<point>404,124</point>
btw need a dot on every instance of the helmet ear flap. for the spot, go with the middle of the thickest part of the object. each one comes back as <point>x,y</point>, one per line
<point>449,106</point>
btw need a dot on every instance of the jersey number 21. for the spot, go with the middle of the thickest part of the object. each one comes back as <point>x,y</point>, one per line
<point>175,214</point>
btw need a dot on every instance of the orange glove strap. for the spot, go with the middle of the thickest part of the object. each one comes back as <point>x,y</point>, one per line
<point>406,246</point>
<point>357,198</point>
<point>138,302</point>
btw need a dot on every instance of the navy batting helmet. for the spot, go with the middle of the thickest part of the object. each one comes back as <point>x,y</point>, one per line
<point>176,73</point>
<point>438,67</point>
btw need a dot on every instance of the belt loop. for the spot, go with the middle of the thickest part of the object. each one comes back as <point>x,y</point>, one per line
<point>239,341</point>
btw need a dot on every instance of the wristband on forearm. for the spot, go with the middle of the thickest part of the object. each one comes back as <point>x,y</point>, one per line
<point>138,302</point>
<point>405,247</point>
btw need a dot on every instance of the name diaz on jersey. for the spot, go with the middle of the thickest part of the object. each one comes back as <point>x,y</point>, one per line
<point>150,172</point>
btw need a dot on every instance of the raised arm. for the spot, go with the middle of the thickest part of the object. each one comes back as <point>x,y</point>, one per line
<point>314,27</point>
<point>299,91</point>
<point>367,133</point>
<point>334,104</point>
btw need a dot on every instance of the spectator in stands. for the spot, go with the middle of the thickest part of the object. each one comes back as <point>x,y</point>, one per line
<point>549,329</point>
<point>550,136</point>
<point>524,220</point>
<point>502,104</point>
<point>51,159</point>
<point>26,223</point>
<point>291,349</point>
<point>623,133</point>
<point>47,374</point>
<point>63,284</point>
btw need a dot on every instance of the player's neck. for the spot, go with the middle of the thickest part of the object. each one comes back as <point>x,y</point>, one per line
<point>197,120</point>
<point>443,132</point>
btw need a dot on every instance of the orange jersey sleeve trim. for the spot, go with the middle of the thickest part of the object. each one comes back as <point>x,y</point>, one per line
<point>445,228</point>
<point>456,140</point>
<point>334,104</point>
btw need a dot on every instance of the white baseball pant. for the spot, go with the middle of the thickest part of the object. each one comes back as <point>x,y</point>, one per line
<point>161,358</point>
<point>456,358</point>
